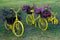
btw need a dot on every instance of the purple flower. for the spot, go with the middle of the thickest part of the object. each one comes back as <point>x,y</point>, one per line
<point>39,9</point>
<point>4,14</point>
<point>47,15</point>
<point>25,7</point>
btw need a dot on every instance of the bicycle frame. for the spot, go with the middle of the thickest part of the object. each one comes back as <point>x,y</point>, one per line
<point>33,18</point>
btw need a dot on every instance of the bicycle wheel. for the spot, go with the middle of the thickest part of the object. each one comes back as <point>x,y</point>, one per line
<point>43,24</point>
<point>18,28</point>
<point>6,25</point>
<point>55,21</point>
<point>50,19</point>
<point>29,19</point>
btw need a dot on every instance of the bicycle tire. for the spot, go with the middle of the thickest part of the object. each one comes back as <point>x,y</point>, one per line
<point>22,31</point>
<point>29,19</point>
<point>41,23</point>
<point>6,25</point>
<point>55,21</point>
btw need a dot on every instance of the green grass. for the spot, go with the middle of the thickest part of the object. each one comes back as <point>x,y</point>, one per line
<point>31,33</point>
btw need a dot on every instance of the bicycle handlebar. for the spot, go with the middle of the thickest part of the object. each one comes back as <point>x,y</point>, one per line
<point>16,11</point>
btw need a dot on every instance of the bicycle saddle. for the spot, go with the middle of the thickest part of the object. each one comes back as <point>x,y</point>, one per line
<point>29,11</point>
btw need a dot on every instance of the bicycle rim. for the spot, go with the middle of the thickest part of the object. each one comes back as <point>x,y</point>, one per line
<point>16,28</point>
<point>43,24</point>
<point>55,21</point>
<point>29,20</point>
<point>6,25</point>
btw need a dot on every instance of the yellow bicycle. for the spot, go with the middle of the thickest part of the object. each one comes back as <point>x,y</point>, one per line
<point>53,18</point>
<point>42,22</point>
<point>17,27</point>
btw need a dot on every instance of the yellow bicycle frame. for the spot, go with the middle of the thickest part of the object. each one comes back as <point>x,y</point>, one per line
<point>33,19</point>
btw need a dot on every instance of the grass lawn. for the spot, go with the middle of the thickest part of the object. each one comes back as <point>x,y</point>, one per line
<point>31,33</point>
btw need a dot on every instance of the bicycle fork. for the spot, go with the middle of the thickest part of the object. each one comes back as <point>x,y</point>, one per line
<point>33,19</point>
